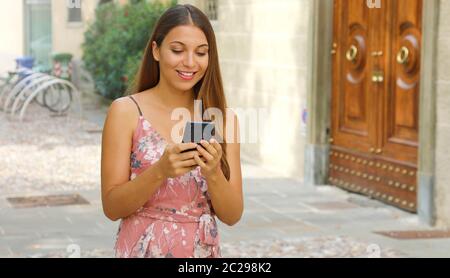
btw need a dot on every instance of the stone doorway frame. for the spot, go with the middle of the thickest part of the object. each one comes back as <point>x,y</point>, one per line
<point>320,38</point>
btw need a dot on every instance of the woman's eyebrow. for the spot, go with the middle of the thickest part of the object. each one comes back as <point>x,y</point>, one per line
<point>184,44</point>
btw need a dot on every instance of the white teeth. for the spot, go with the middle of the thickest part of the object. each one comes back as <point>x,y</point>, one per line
<point>186,73</point>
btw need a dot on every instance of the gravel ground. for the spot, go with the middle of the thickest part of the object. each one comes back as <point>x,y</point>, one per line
<point>47,154</point>
<point>308,247</point>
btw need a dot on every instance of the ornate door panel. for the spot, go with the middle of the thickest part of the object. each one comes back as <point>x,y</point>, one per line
<point>353,117</point>
<point>376,68</point>
<point>401,94</point>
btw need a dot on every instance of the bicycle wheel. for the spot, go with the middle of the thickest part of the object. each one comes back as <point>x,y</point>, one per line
<point>40,100</point>
<point>58,99</point>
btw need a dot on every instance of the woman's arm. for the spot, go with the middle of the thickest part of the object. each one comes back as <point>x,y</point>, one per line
<point>226,196</point>
<point>120,196</point>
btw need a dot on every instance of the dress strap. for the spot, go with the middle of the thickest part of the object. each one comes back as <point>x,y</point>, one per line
<point>140,112</point>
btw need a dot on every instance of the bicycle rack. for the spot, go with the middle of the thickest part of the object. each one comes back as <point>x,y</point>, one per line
<point>7,88</point>
<point>41,89</point>
<point>60,91</point>
<point>49,91</point>
<point>23,85</point>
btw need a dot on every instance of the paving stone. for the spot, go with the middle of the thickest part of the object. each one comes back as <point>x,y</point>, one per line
<point>282,218</point>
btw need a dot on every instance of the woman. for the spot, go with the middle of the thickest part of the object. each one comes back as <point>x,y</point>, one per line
<point>168,193</point>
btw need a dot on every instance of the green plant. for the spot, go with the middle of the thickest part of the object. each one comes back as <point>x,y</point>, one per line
<point>62,57</point>
<point>114,43</point>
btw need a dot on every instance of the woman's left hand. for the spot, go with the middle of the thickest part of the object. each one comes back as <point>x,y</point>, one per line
<point>212,153</point>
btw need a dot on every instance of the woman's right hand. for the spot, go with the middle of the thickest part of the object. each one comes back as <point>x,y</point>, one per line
<point>173,163</point>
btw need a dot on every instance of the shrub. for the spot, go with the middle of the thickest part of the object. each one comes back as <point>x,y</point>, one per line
<point>115,42</point>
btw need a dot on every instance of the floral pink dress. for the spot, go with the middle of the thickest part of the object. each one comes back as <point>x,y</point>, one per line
<point>178,220</point>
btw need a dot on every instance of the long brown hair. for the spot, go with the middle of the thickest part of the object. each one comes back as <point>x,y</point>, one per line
<point>210,88</point>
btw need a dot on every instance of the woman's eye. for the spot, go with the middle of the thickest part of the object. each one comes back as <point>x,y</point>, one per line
<point>177,51</point>
<point>201,54</point>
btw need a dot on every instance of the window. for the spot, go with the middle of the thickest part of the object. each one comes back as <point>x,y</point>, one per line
<point>38,30</point>
<point>74,11</point>
<point>211,9</point>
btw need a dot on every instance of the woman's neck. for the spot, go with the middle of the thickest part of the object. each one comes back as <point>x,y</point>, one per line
<point>172,98</point>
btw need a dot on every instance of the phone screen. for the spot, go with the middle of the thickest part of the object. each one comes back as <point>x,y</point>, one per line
<point>196,131</point>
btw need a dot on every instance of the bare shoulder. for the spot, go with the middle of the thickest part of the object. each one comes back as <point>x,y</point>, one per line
<point>122,104</point>
<point>122,114</point>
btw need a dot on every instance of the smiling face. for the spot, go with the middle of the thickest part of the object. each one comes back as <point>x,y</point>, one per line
<point>182,56</point>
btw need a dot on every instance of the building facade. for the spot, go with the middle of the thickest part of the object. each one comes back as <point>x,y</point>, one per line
<point>371,79</point>
<point>41,27</point>
<point>353,93</point>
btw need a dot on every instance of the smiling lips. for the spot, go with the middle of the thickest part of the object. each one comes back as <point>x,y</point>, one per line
<point>186,75</point>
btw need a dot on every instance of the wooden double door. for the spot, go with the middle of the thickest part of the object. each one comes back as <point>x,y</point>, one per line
<point>375,99</point>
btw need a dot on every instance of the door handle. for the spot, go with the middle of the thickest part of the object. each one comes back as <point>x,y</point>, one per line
<point>351,54</point>
<point>403,55</point>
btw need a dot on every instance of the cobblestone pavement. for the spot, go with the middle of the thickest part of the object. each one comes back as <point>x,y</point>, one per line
<point>321,247</point>
<point>308,247</point>
<point>282,218</point>
<point>46,153</point>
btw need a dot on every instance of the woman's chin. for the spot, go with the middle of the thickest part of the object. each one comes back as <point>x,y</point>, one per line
<point>186,86</point>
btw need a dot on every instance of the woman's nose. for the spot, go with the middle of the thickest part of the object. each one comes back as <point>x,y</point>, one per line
<point>189,60</point>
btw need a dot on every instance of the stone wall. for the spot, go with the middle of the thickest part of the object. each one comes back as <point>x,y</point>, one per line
<point>263,56</point>
<point>442,181</point>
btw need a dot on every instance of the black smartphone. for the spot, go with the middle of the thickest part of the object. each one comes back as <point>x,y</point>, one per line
<point>196,131</point>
